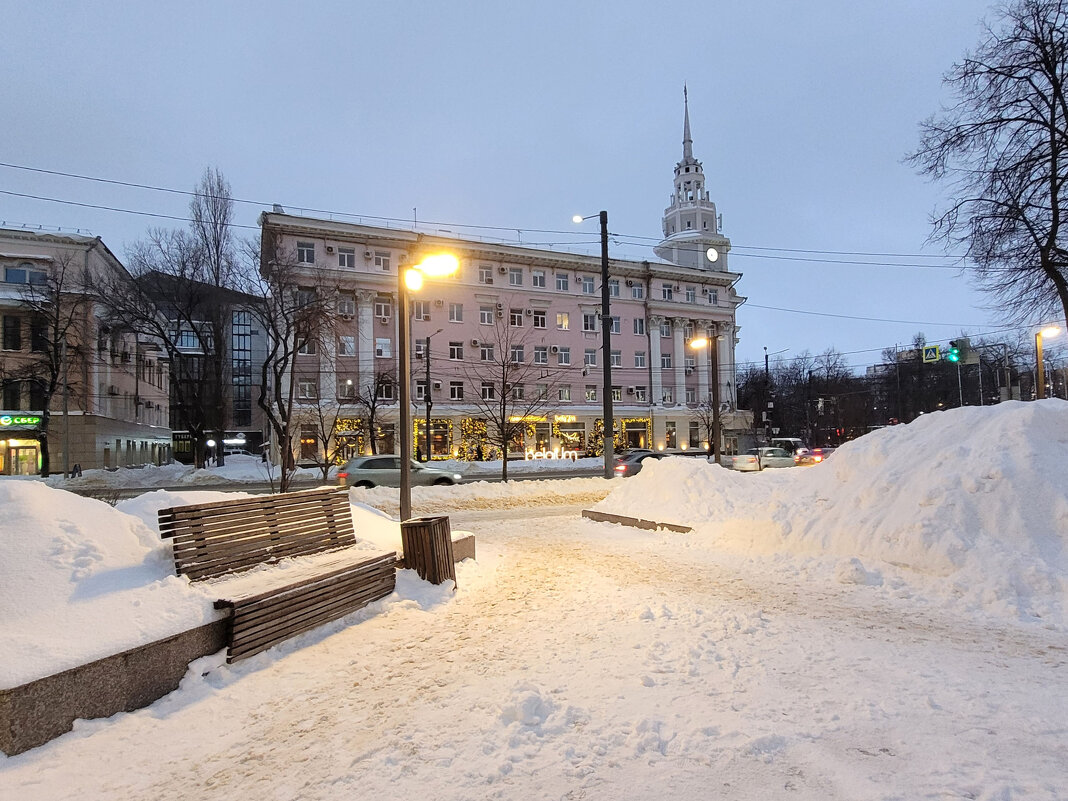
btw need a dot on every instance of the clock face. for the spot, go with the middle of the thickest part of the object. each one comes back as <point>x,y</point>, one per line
<point>712,254</point>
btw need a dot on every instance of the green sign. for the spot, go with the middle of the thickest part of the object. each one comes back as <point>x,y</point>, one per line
<point>19,420</point>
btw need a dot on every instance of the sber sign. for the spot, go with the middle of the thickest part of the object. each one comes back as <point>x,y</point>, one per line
<point>19,420</point>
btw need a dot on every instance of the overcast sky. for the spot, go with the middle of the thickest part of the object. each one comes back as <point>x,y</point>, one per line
<point>517,116</point>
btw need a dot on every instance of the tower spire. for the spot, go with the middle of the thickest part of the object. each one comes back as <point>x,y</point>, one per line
<point>687,143</point>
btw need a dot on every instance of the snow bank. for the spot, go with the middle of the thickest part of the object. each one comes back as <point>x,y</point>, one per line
<point>973,499</point>
<point>79,581</point>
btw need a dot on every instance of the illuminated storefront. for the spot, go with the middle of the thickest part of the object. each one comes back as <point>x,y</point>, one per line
<point>20,444</point>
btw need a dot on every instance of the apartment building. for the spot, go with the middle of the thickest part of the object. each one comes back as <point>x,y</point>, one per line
<point>544,306</point>
<point>96,396</point>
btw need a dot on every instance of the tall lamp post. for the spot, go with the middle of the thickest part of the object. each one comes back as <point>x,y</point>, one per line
<point>426,396</point>
<point>606,346</point>
<point>1045,333</point>
<point>411,279</point>
<point>713,367</point>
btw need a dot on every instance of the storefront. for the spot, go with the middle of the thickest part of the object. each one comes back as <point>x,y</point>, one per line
<point>20,444</point>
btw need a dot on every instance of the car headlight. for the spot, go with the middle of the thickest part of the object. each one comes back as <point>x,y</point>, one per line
<point>456,477</point>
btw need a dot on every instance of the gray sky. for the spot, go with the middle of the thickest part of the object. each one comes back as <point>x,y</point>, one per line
<point>518,116</point>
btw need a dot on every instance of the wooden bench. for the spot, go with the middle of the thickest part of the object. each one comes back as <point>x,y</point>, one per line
<point>211,540</point>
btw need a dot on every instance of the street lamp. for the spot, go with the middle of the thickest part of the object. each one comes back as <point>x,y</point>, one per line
<point>411,279</point>
<point>713,366</point>
<point>426,395</point>
<point>1045,333</point>
<point>606,346</point>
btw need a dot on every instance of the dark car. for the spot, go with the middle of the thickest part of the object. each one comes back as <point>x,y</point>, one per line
<point>814,456</point>
<point>629,463</point>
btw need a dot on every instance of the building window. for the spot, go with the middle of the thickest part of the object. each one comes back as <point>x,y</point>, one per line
<point>456,351</point>
<point>671,439</point>
<point>639,394</point>
<point>691,294</point>
<point>591,393</point>
<point>346,305</point>
<point>456,312</point>
<point>515,276</point>
<point>485,315</point>
<point>613,288</point>
<point>383,308</point>
<point>485,274</point>
<point>518,354</point>
<point>382,260</point>
<point>562,282</point>
<point>518,391</point>
<point>589,322</point>
<point>617,393</point>
<point>485,352</point>
<point>691,395</point>
<point>541,391</point>
<point>346,390</point>
<point>489,391</point>
<point>12,332</point>
<point>420,389</point>
<point>539,319</point>
<point>587,285</point>
<point>615,325</point>
<point>639,358</point>
<point>383,347</point>
<point>385,391</point>
<point>187,340</point>
<point>305,252</point>
<point>563,321</point>
<point>695,434</point>
<point>456,390</point>
<point>541,354</point>
<point>665,361</point>
<point>689,361</point>
<point>617,358</point>
<point>639,326</point>
<point>669,395</point>
<point>306,389</point>
<point>39,336</point>
<point>308,347</point>
<point>420,348</point>
<point>589,357</point>
<point>564,357</point>
<point>420,310</point>
<point>515,318</point>
<point>637,292</point>
<point>346,346</point>
<point>564,393</point>
<point>667,291</point>
<point>713,297</point>
<point>305,296</point>
<point>346,258</point>
<point>665,329</point>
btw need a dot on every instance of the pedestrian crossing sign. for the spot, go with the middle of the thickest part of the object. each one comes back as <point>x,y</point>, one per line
<point>930,353</point>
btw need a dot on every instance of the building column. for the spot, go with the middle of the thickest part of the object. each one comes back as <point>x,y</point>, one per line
<point>728,375</point>
<point>656,396</point>
<point>703,365</point>
<point>678,326</point>
<point>365,341</point>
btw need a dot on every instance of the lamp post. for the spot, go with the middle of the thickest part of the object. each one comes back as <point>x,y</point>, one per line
<point>1048,331</point>
<point>713,366</point>
<point>606,347</point>
<point>411,279</point>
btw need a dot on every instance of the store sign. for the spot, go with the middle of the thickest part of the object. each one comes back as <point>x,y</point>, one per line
<point>565,418</point>
<point>19,420</point>
<point>555,453</point>
<point>530,418</point>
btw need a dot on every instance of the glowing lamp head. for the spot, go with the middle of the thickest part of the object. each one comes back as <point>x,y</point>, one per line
<point>577,218</point>
<point>1049,331</point>
<point>413,279</point>
<point>699,342</point>
<point>438,265</point>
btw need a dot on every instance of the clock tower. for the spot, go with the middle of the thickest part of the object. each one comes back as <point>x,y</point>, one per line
<point>691,226</point>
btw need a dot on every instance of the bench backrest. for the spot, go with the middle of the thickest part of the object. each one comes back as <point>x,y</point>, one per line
<point>211,539</point>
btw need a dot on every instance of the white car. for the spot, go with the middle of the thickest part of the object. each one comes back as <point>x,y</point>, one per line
<point>759,458</point>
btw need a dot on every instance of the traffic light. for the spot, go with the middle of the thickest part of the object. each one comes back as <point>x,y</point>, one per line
<point>953,354</point>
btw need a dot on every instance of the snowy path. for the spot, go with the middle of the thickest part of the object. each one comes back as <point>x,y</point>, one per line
<point>568,667</point>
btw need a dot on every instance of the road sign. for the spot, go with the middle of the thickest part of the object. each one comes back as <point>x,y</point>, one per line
<point>930,353</point>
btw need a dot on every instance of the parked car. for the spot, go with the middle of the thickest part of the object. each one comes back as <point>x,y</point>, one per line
<point>814,456</point>
<point>384,471</point>
<point>789,444</point>
<point>759,458</point>
<point>629,463</point>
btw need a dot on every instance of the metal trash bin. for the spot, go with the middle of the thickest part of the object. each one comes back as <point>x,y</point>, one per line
<point>427,546</point>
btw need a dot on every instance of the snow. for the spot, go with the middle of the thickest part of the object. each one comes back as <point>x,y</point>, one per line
<point>889,624</point>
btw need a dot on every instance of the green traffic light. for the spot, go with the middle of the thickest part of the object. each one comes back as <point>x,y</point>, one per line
<point>953,354</point>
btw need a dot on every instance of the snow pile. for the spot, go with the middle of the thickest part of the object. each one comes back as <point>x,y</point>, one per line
<point>71,565</point>
<point>973,499</point>
<point>238,469</point>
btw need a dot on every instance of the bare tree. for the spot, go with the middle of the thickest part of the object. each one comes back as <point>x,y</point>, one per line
<point>59,312</point>
<point>507,387</point>
<point>1003,150</point>
<point>369,401</point>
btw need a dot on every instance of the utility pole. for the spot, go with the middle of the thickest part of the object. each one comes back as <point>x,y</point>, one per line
<point>429,401</point>
<point>66,412</point>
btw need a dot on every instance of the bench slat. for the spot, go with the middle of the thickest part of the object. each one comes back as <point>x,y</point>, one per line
<point>279,501</point>
<point>222,520</point>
